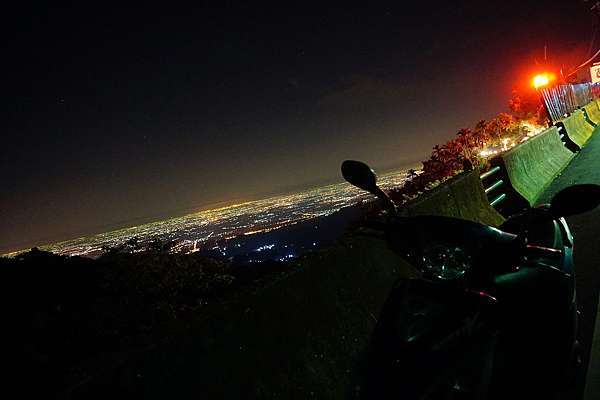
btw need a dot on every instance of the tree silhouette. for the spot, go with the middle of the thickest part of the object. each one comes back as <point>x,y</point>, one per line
<point>463,152</point>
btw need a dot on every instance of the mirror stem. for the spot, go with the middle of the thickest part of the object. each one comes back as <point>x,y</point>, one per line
<point>389,204</point>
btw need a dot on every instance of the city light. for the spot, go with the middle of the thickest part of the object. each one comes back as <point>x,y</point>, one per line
<point>265,247</point>
<point>532,129</point>
<point>529,129</point>
<point>485,153</point>
<point>507,144</point>
<point>211,229</point>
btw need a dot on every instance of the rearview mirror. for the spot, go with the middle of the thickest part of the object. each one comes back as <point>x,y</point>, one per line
<point>360,175</point>
<point>575,199</point>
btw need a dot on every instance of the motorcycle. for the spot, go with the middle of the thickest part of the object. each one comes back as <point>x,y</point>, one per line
<point>491,312</point>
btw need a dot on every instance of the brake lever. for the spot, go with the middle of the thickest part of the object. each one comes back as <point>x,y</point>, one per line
<point>541,251</point>
<point>544,252</point>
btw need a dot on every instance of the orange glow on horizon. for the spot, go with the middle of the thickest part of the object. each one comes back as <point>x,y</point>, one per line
<point>542,80</point>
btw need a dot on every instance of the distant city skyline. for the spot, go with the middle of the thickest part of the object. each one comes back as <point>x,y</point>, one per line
<point>257,216</point>
<point>383,172</point>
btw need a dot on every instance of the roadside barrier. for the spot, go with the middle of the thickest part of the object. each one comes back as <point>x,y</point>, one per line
<point>498,189</point>
<point>461,197</point>
<point>533,165</point>
<point>565,139</point>
<point>578,130</point>
<point>592,112</point>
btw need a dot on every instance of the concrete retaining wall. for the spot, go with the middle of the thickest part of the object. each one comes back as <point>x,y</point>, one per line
<point>533,165</point>
<point>578,129</point>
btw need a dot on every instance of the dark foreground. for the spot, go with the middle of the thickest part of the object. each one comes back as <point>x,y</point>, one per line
<point>67,319</point>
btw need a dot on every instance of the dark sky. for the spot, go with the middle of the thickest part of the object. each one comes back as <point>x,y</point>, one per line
<point>120,116</point>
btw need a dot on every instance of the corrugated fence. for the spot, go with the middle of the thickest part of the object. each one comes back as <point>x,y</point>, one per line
<point>562,100</point>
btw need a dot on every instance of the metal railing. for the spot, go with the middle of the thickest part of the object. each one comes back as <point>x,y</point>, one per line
<point>492,191</point>
<point>562,133</point>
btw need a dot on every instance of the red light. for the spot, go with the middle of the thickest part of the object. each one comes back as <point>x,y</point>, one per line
<point>542,80</point>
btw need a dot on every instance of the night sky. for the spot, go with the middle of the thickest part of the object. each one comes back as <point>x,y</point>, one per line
<point>113,117</point>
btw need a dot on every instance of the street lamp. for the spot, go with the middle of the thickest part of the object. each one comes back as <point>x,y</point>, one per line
<point>540,82</point>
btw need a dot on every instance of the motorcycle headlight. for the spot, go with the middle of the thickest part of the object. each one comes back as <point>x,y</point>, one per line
<point>446,262</point>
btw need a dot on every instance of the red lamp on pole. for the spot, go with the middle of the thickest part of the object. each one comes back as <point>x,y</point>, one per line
<point>539,82</point>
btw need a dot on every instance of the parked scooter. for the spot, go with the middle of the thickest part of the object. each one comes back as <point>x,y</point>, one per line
<point>492,313</point>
